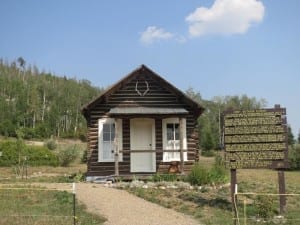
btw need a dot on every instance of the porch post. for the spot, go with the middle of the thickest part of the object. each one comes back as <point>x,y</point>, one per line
<point>116,147</point>
<point>181,145</point>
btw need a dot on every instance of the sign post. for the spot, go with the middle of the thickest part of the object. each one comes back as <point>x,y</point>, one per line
<point>257,139</point>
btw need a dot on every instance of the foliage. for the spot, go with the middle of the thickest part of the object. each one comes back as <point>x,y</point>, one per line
<point>16,152</point>
<point>294,157</point>
<point>218,173</point>
<point>291,139</point>
<point>200,175</point>
<point>40,103</point>
<point>51,144</point>
<point>208,153</point>
<point>68,155</point>
<point>210,122</point>
<point>264,206</point>
<point>84,156</point>
<point>163,177</point>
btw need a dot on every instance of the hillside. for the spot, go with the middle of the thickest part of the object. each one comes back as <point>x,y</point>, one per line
<point>40,104</point>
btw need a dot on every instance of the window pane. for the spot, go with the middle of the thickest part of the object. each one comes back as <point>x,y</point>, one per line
<point>170,132</point>
<point>107,151</point>
<point>106,136</point>
<point>113,131</point>
<point>176,131</point>
<point>106,128</point>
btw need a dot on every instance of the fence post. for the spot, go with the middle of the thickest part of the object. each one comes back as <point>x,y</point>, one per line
<point>233,187</point>
<point>282,197</point>
<point>74,204</point>
<point>245,212</point>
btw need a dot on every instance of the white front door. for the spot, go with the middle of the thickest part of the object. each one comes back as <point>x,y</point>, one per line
<point>142,133</point>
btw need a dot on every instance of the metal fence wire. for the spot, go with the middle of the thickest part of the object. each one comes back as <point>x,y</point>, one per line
<point>37,206</point>
<point>263,208</point>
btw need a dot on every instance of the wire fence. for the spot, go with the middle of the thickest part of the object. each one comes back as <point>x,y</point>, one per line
<point>263,208</point>
<point>30,205</point>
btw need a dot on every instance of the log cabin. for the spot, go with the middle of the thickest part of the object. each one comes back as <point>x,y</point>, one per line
<point>140,126</point>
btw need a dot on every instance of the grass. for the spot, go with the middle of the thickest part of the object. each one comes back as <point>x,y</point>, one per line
<point>44,174</point>
<point>209,205</point>
<point>38,206</point>
<point>212,205</point>
<point>33,206</point>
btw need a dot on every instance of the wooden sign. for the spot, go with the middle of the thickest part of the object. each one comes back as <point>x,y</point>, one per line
<point>256,138</point>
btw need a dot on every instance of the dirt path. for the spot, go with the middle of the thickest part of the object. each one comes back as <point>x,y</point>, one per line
<point>122,208</point>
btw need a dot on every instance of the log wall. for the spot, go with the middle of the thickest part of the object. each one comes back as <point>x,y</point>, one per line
<point>159,95</point>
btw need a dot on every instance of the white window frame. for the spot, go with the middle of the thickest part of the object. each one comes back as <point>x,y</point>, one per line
<point>164,130</point>
<point>118,138</point>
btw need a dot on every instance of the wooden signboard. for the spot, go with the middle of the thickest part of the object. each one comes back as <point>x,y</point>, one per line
<point>256,139</point>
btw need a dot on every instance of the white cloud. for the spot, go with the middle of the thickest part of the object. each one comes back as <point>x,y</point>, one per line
<point>153,33</point>
<point>225,17</point>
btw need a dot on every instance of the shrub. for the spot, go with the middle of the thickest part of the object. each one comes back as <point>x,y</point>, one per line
<point>84,156</point>
<point>51,144</point>
<point>294,157</point>
<point>68,155</point>
<point>14,152</point>
<point>82,137</point>
<point>198,175</point>
<point>208,153</point>
<point>264,207</point>
<point>218,173</point>
<point>163,177</point>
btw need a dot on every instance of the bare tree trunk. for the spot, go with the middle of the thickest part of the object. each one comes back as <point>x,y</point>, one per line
<point>33,120</point>
<point>44,105</point>
<point>76,122</point>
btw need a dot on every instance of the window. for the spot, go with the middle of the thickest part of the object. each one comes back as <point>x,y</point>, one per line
<point>107,139</point>
<point>171,140</point>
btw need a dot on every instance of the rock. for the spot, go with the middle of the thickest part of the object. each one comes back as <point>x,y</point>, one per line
<point>136,184</point>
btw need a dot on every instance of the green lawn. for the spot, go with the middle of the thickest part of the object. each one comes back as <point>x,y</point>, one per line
<point>33,205</point>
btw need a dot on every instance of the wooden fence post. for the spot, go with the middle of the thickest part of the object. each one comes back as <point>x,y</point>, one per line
<point>282,197</point>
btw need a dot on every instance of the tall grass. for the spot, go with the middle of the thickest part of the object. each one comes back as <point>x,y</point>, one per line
<point>201,175</point>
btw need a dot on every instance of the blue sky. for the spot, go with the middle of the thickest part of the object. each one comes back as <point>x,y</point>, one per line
<point>217,47</point>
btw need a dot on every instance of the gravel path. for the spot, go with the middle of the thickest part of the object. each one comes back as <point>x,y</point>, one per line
<point>122,208</point>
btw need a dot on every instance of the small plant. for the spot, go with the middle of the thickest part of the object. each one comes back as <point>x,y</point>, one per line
<point>163,177</point>
<point>68,155</point>
<point>218,173</point>
<point>264,207</point>
<point>199,175</point>
<point>84,156</point>
<point>51,144</point>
